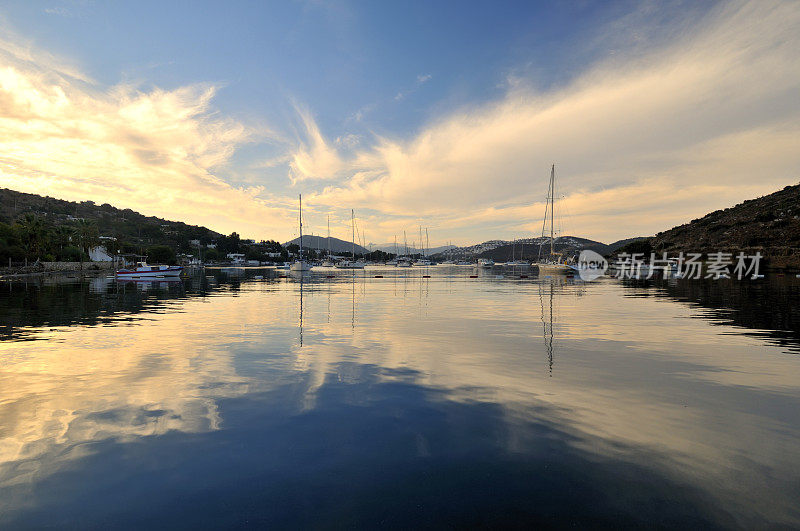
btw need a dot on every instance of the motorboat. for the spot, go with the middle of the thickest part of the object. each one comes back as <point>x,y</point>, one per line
<point>350,264</point>
<point>142,270</point>
<point>485,262</point>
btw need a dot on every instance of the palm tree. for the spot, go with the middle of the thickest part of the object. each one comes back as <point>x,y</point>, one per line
<point>63,236</point>
<point>34,234</point>
<point>88,236</point>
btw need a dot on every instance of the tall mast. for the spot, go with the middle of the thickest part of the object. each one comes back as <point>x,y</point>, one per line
<point>427,242</point>
<point>301,226</point>
<point>420,241</point>
<point>353,225</point>
<point>552,206</point>
<point>395,246</point>
<point>405,241</point>
<point>329,236</point>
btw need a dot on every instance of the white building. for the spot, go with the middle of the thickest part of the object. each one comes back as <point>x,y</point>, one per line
<point>100,254</point>
<point>236,258</point>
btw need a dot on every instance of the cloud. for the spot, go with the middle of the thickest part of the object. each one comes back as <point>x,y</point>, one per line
<point>421,80</point>
<point>699,118</point>
<point>639,144</point>
<point>155,151</point>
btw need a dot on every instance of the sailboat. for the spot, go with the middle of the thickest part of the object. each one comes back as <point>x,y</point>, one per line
<point>404,261</point>
<point>300,264</point>
<point>423,260</point>
<point>352,264</point>
<point>393,261</point>
<point>554,265</point>
<point>516,262</point>
<point>328,261</point>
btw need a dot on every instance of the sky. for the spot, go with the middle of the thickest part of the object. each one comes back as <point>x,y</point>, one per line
<point>446,115</point>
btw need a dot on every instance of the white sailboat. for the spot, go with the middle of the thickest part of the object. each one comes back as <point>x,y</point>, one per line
<point>393,261</point>
<point>328,261</point>
<point>423,260</point>
<point>554,265</point>
<point>352,264</point>
<point>404,261</point>
<point>300,264</point>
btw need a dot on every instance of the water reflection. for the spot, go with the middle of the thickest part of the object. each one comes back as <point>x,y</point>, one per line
<point>403,401</point>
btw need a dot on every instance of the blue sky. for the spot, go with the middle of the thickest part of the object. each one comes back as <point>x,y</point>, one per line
<point>405,111</point>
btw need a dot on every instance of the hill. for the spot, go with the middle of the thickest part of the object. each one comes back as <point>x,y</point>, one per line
<point>522,249</point>
<point>768,224</point>
<point>41,227</point>
<point>401,249</point>
<point>622,243</point>
<point>321,244</point>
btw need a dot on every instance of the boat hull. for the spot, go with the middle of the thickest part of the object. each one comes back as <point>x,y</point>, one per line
<point>173,272</point>
<point>555,269</point>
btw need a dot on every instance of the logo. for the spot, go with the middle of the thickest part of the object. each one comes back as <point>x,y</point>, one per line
<point>591,265</point>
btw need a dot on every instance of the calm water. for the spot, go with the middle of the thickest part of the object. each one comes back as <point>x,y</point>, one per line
<point>229,400</point>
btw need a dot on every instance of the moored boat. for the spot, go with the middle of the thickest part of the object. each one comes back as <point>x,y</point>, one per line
<point>145,271</point>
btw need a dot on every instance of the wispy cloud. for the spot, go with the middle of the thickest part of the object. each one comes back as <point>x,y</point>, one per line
<point>640,145</point>
<point>691,123</point>
<point>421,80</point>
<point>155,151</point>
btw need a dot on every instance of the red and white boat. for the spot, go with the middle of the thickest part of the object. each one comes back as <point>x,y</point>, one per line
<point>143,270</point>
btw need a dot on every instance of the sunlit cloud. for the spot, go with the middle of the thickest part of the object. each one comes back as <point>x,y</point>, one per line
<point>648,138</point>
<point>639,146</point>
<point>155,151</point>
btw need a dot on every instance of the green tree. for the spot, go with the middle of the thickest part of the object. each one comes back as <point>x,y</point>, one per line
<point>210,255</point>
<point>63,236</point>
<point>161,254</point>
<point>34,234</point>
<point>88,235</point>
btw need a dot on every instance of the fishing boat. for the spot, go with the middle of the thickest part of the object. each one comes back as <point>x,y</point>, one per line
<point>300,264</point>
<point>142,270</point>
<point>554,265</point>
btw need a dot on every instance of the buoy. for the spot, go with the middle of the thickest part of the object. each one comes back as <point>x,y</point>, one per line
<point>378,276</point>
<point>523,276</point>
<point>426,276</point>
<point>473,276</point>
<point>329,276</point>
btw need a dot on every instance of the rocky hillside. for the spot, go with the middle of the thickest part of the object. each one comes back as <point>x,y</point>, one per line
<point>522,249</point>
<point>769,224</point>
<point>320,243</point>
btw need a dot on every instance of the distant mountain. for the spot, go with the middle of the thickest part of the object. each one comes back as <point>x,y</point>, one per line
<point>319,243</point>
<point>768,224</point>
<point>401,249</point>
<point>523,249</point>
